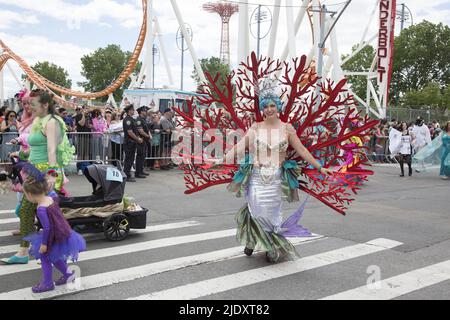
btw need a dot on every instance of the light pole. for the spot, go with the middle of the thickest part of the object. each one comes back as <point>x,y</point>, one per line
<point>182,47</point>
<point>261,14</point>
<point>403,16</point>
<point>321,45</point>
<point>155,53</point>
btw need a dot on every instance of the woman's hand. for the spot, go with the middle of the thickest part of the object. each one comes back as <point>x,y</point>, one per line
<point>51,181</point>
<point>214,162</point>
<point>13,155</point>
<point>43,249</point>
<point>14,142</point>
<point>326,171</point>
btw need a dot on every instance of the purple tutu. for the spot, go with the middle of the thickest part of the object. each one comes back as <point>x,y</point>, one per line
<point>64,250</point>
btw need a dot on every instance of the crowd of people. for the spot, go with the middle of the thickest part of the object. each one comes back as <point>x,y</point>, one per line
<point>379,142</point>
<point>98,134</point>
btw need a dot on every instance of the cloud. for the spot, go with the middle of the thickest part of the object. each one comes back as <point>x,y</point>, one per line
<point>36,48</point>
<point>206,27</point>
<point>96,11</point>
<point>442,6</point>
<point>12,19</point>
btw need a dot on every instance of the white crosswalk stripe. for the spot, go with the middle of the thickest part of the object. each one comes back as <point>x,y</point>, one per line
<point>9,249</point>
<point>387,289</point>
<point>128,274</point>
<point>246,278</point>
<point>9,220</point>
<point>161,227</point>
<point>399,285</point>
<point>7,212</point>
<point>96,236</point>
<point>130,248</point>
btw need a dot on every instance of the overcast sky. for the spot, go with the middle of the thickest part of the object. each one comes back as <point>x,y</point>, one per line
<point>62,31</point>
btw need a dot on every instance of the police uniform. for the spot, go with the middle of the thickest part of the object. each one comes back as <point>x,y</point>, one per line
<point>130,145</point>
<point>141,148</point>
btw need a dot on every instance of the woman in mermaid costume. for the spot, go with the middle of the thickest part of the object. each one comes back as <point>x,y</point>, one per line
<point>266,178</point>
<point>49,150</point>
<point>22,141</point>
<point>351,156</point>
<point>445,153</point>
<point>436,154</point>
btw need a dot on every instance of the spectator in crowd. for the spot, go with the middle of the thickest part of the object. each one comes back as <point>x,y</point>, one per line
<point>115,131</point>
<point>108,117</point>
<point>2,113</point>
<point>168,127</point>
<point>9,129</point>
<point>155,150</point>
<point>436,129</point>
<point>381,136</point>
<point>393,124</point>
<point>98,129</point>
<point>83,141</point>
<point>125,103</point>
<point>68,119</point>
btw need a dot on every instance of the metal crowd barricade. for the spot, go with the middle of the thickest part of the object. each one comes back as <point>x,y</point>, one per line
<point>89,146</point>
<point>5,148</point>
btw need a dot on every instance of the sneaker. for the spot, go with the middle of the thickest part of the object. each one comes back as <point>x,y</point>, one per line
<point>140,176</point>
<point>445,178</point>
<point>80,172</point>
<point>131,180</point>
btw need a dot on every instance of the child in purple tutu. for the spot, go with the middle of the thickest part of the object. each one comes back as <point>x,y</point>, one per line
<point>57,242</point>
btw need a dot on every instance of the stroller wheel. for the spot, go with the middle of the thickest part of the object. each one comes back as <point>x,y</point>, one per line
<point>116,227</point>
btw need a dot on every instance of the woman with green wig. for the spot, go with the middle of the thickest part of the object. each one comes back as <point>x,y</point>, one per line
<point>50,151</point>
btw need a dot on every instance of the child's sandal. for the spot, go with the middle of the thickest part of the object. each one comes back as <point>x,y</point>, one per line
<point>40,288</point>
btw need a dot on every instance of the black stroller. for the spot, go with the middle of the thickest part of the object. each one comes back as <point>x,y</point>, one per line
<point>107,193</point>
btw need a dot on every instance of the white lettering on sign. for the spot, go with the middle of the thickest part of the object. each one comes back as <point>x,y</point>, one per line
<point>385,43</point>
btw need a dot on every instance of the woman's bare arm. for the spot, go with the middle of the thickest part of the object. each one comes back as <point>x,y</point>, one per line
<point>298,146</point>
<point>51,132</point>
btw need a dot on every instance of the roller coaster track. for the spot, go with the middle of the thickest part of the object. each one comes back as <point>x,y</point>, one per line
<point>44,83</point>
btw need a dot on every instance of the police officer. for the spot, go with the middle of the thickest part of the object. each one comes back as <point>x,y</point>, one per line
<point>144,132</point>
<point>131,140</point>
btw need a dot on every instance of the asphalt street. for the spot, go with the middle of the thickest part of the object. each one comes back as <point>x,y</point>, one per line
<point>394,243</point>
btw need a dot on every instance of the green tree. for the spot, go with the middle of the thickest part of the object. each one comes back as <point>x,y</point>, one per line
<point>360,62</point>
<point>213,65</point>
<point>53,73</point>
<point>421,56</point>
<point>430,96</point>
<point>102,68</point>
